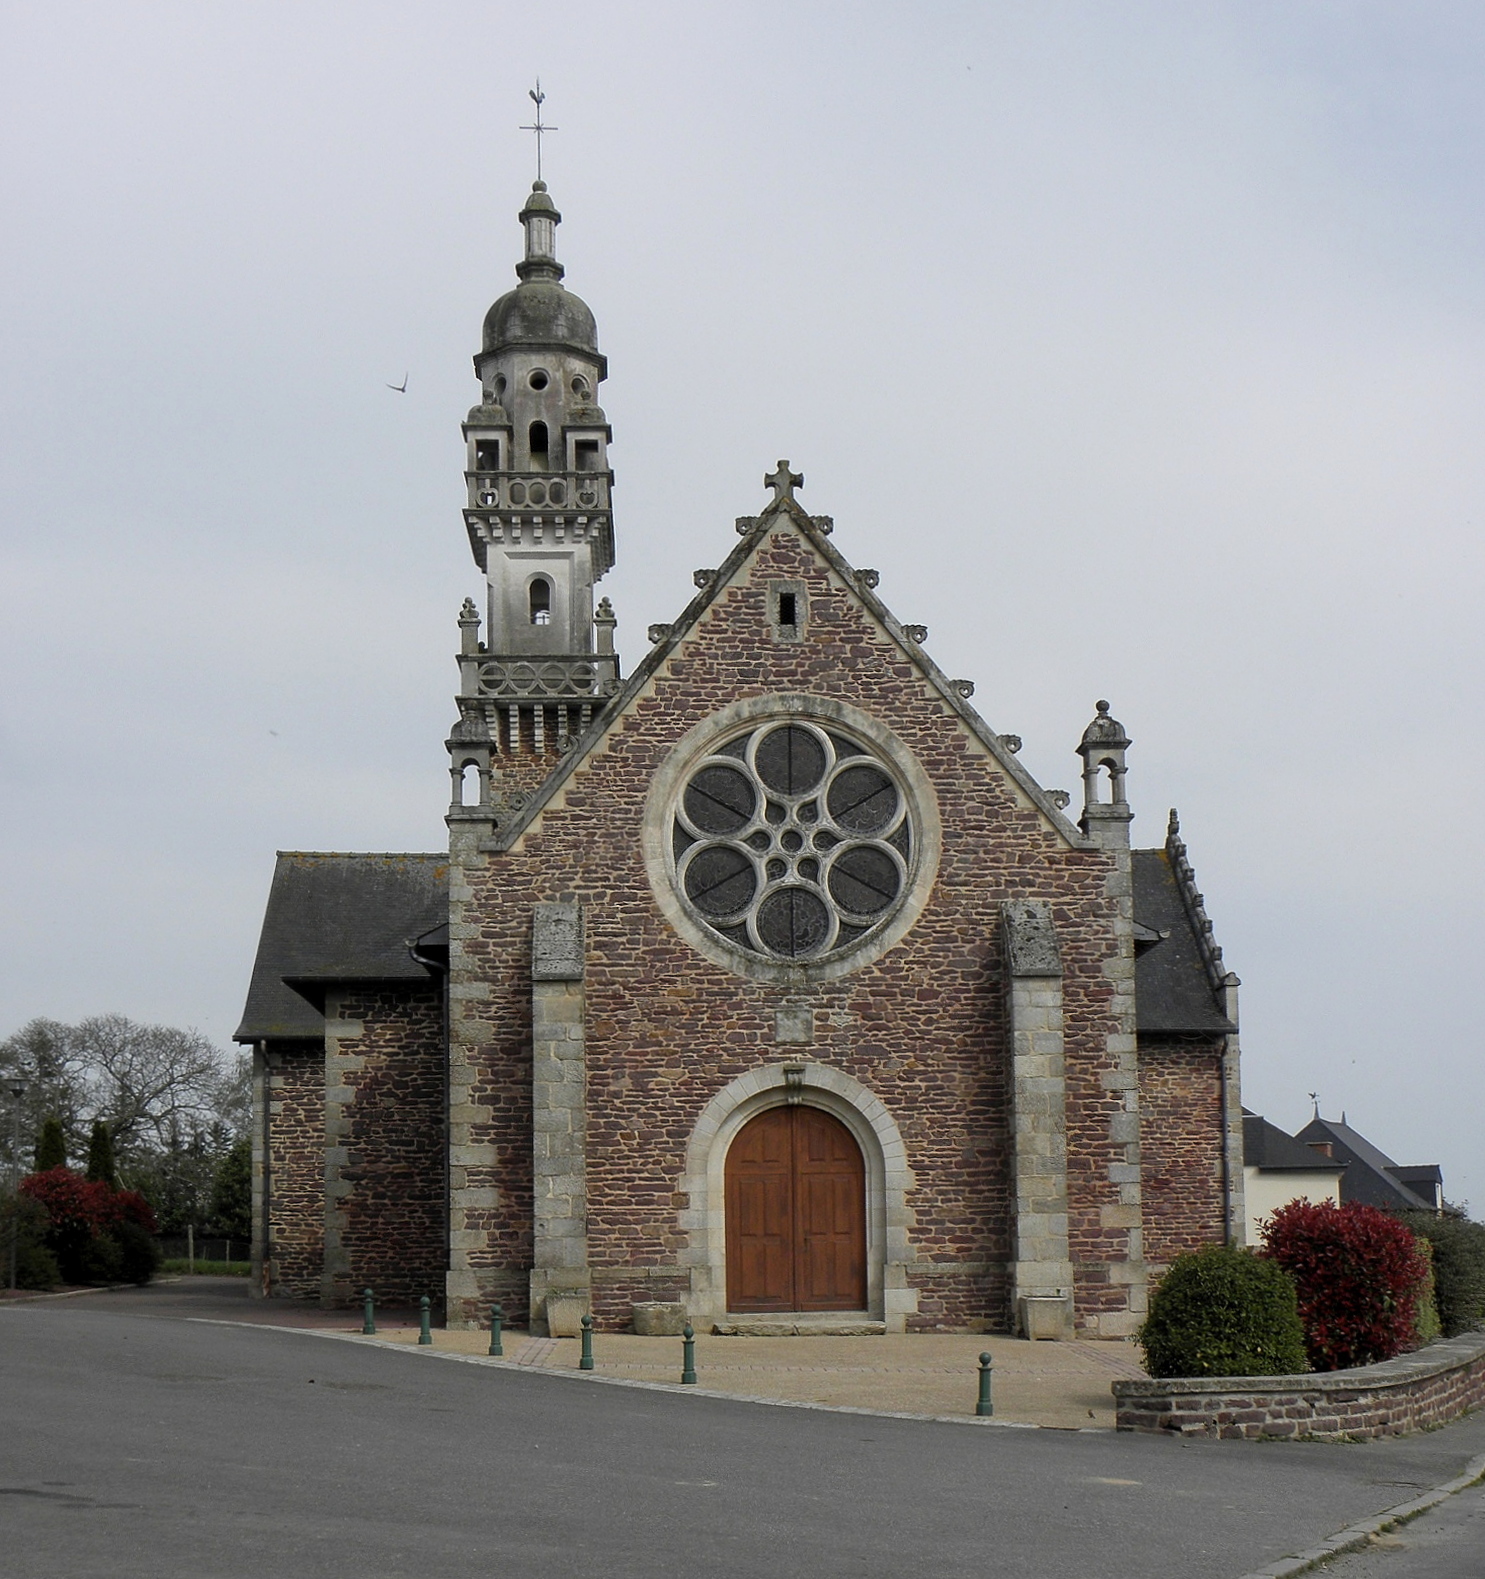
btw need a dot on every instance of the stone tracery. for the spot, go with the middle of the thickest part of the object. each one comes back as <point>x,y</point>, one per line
<point>791,840</point>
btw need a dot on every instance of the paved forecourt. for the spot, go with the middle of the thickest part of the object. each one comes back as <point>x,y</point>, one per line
<point>1065,1385</point>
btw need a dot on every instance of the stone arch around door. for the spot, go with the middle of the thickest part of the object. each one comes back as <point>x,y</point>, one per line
<point>888,1179</point>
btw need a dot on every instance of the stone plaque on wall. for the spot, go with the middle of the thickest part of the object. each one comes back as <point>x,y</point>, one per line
<point>1031,938</point>
<point>557,942</point>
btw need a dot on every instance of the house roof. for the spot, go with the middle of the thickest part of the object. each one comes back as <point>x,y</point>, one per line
<point>1268,1147</point>
<point>340,918</point>
<point>1173,989</point>
<point>1372,1177</point>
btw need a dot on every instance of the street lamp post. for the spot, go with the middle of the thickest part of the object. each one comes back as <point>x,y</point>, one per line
<point>17,1090</point>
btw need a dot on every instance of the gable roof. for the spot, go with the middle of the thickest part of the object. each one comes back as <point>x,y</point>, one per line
<point>815,530</point>
<point>1371,1176</point>
<point>339,918</point>
<point>1176,981</point>
<point>1268,1147</point>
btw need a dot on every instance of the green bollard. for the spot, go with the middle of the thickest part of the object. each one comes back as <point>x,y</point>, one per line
<point>425,1331</point>
<point>984,1406</point>
<point>496,1347</point>
<point>688,1356</point>
<point>585,1359</point>
<point>368,1314</point>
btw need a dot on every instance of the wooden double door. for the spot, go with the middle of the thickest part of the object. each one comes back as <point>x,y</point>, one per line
<point>796,1214</point>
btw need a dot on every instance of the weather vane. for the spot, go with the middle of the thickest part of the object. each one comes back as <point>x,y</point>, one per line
<point>538,98</point>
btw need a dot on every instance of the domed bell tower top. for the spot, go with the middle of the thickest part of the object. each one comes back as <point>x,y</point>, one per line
<point>539,515</point>
<point>539,520</point>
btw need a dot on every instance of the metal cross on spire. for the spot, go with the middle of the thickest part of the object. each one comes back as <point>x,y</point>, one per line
<point>538,98</point>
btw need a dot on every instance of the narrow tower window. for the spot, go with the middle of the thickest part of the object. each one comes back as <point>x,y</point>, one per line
<point>487,455</point>
<point>541,601</point>
<point>538,442</point>
<point>585,452</point>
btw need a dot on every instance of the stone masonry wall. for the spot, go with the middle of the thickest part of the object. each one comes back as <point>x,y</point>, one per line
<point>1181,1146</point>
<point>394,1208</point>
<point>1412,1393</point>
<point>922,1027</point>
<point>296,1140</point>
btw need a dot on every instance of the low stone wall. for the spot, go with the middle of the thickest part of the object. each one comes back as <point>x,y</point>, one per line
<point>1426,1388</point>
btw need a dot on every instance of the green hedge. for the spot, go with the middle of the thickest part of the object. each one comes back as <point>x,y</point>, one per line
<point>1223,1312</point>
<point>1458,1267</point>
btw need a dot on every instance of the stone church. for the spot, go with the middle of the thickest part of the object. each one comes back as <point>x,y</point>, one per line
<point>763,983</point>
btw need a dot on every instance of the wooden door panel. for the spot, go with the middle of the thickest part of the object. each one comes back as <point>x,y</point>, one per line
<point>796,1214</point>
<point>830,1190</point>
<point>760,1215</point>
<point>759,1244</point>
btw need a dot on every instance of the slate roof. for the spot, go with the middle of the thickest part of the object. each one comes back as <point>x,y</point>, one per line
<point>1173,990</point>
<point>338,918</point>
<point>1268,1147</point>
<point>1371,1176</point>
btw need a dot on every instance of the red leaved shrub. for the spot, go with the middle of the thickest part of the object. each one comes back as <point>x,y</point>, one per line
<point>1360,1274</point>
<point>74,1204</point>
<point>97,1233</point>
<point>133,1208</point>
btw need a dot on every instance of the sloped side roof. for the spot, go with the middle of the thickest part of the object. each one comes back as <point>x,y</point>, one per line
<point>1267,1146</point>
<point>1172,986</point>
<point>1371,1175</point>
<point>339,918</point>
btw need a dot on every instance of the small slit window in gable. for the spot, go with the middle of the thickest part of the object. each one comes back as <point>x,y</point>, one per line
<point>541,601</point>
<point>788,610</point>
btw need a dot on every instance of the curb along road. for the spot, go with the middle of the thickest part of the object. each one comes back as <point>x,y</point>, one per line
<point>1355,1536</point>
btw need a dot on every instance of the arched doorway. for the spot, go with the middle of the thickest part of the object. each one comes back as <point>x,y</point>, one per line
<point>796,1214</point>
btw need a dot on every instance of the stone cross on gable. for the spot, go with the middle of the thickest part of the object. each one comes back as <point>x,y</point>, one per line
<point>783,482</point>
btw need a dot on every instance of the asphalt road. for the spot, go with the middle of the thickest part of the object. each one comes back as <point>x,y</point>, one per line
<point>137,1442</point>
<point>1447,1543</point>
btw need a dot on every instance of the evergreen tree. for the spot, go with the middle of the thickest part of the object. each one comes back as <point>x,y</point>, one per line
<point>232,1192</point>
<point>101,1166</point>
<point>51,1149</point>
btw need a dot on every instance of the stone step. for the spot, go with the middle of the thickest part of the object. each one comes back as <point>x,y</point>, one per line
<point>801,1324</point>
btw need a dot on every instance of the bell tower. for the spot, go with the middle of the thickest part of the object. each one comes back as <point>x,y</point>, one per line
<point>541,529</point>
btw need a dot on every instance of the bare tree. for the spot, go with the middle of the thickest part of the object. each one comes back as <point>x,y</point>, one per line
<point>151,1084</point>
<point>159,1089</point>
<point>44,1056</point>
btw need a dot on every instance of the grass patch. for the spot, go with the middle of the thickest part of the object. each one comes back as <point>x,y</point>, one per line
<point>208,1268</point>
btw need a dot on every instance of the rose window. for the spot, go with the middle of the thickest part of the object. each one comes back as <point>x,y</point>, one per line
<point>792,841</point>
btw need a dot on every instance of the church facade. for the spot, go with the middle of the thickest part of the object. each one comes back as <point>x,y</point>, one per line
<point>762,987</point>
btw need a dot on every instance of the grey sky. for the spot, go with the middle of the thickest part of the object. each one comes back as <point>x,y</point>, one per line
<point>1138,345</point>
